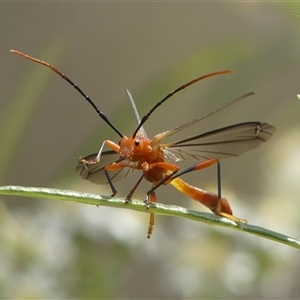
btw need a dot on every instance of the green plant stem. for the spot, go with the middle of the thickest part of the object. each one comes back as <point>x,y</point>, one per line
<point>156,208</point>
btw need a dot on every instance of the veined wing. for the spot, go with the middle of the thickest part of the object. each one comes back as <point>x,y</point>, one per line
<point>224,142</point>
<point>159,137</point>
<point>95,172</point>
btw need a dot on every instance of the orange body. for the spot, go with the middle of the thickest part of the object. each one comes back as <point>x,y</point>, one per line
<point>151,160</point>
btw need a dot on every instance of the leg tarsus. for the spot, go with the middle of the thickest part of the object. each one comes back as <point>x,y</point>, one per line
<point>233,218</point>
<point>151,221</point>
<point>151,225</point>
<point>128,198</point>
<point>223,209</point>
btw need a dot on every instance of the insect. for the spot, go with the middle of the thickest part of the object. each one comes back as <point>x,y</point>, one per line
<point>158,161</point>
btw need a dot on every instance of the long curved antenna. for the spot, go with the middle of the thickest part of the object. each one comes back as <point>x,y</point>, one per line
<point>145,117</point>
<point>87,98</point>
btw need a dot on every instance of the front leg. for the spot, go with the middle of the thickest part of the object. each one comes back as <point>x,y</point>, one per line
<point>151,221</point>
<point>115,147</point>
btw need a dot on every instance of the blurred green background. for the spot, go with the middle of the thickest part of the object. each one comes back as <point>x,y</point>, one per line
<point>51,249</point>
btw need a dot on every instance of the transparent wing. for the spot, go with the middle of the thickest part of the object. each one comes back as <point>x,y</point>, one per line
<point>95,172</point>
<point>159,137</point>
<point>220,143</point>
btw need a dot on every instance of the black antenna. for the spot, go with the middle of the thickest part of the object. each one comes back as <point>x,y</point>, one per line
<point>86,97</point>
<point>145,117</point>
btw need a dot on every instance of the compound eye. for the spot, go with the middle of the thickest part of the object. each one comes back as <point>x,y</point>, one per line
<point>137,142</point>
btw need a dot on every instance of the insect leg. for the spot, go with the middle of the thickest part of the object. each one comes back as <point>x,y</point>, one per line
<point>175,174</point>
<point>203,165</point>
<point>129,196</point>
<point>217,204</point>
<point>108,143</point>
<point>113,189</point>
<point>170,170</point>
<point>199,166</point>
<point>151,222</point>
<point>117,166</point>
<point>154,187</point>
<point>114,167</point>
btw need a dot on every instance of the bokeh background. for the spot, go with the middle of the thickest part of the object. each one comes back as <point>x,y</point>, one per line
<point>52,249</point>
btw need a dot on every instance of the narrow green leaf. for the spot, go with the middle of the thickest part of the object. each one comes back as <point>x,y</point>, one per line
<point>157,208</point>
